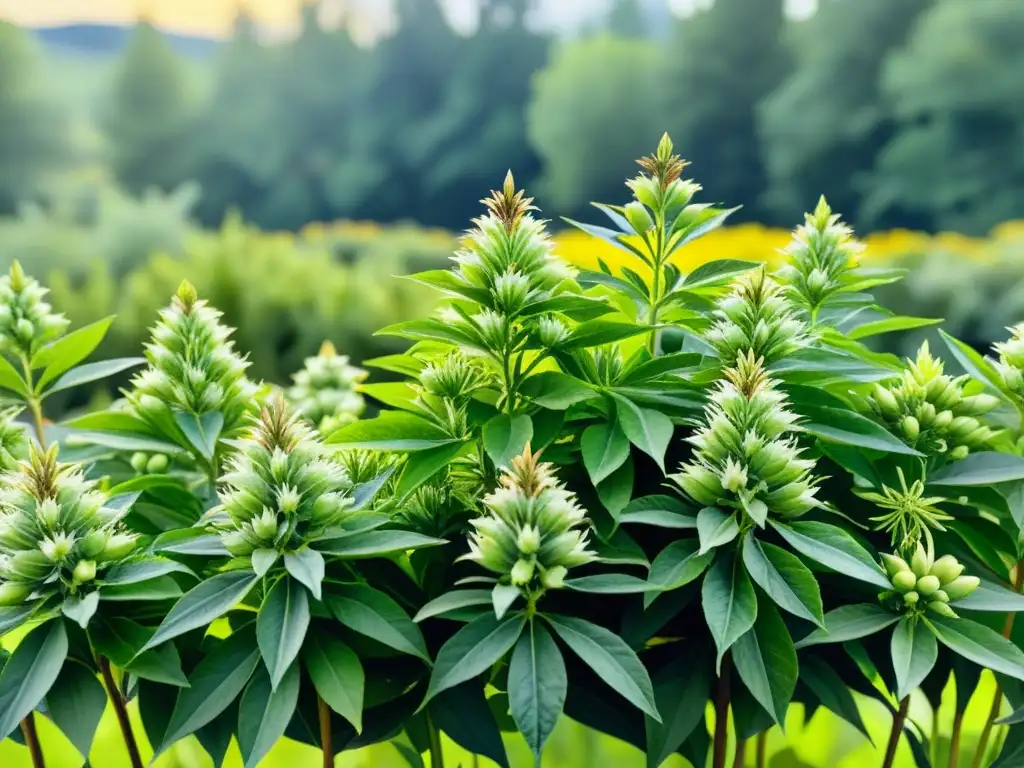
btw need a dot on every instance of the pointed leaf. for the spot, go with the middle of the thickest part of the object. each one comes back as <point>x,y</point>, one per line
<point>81,608</point>
<point>90,372</point>
<point>202,431</point>
<point>505,437</point>
<point>264,713</point>
<point>306,566</point>
<point>605,448</point>
<point>784,578</point>
<point>831,691</point>
<point>281,626</point>
<point>68,351</point>
<point>647,429</point>
<point>715,528</point>
<point>850,428</point>
<point>144,569</point>
<point>850,622</point>
<point>681,691</point>
<point>454,601</point>
<point>391,431</point>
<point>537,686</point>
<point>372,613</point>
<point>616,490</point>
<point>422,466</point>
<point>914,652</point>
<point>502,597</point>
<point>766,662</point>
<point>120,639</point>
<point>263,560</point>
<point>556,391</point>
<point>677,565</point>
<point>30,672</point>
<point>659,511</point>
<point>365,544</point>
<point>337,674</point>
<point>989,596</point>
<point>466,717</point>
<point>11,379</point>
<point>835,548</point>
<point>979,644</point>
<point>980,468</point>
<point>730,605</point>
<point>76,703</point>
<point>594,333</point>
<point>611,584</point>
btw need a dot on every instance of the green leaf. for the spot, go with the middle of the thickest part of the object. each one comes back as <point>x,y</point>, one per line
<point>502,597</point>
<point>13,616</point>
<point>717,271</point>
<point>681,690</point>
<point>616,490</point>
<point>992,597</point>
<point>850,622</point>
<point>264,713</point>
<point>677,565</point>
<point>89,372</point>
<point>556,391</point>
<point>466,716</point>
<point>281,626</point>
<point>263,560</point>
<point>981,468</point>
<point>160,588</point>
<point>372,613</point>
<point>730,605</point>
<point>537,686</point>
<point>120,639</point>
<point>850,428</point>
<point>715,528</point>
<point>213,685</point>
<point>394,394</point>
<point>68,351</point>
<point>784,578</point>
<point>454,601</point>
<point>365,544</point>
<point>430,329</point>
<point>505,437</point>
<point>659,511</point>
<point>890,324</point>
<point>979,644</point>
<point>202,604</point>
<point>974,364</point>
<point>649,430</point>
<point>610,658</point>
<point>81,608</point>
<point>594,333</point>
<point>337,675</point>
<point>30,672</point>
<point>76,703</point>
<point>605,448</point>
<point>835,548</point>
<point>422,466</point>
<point>472,650</point>
<point>122,441</point>
<point>202,431</point>
<point>391,431</point>
<point>144,569</point>
<point>190,541</point>
<point>306,566</point>
<point>11,379</point>
<point>611,584</point>
<point>831,691</point>
<point>914,652</point>
<point>765,659</point>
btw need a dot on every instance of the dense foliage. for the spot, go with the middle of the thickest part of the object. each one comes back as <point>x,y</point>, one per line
<point>623,495</point>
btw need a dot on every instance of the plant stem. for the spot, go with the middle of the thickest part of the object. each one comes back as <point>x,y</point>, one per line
<point>722,715</point>
<point>436,749</point>
<point>997,698</point>
<point>35,405</point>
<point>954,740</point>
<point>762,749</point>
<point>897,730</point>
<point>326,737</point>
<point>740,758</point>
<point>28,730</point>
<point>122,713</point>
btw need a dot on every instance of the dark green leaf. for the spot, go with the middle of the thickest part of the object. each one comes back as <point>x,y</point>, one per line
<point>281,626</point>
<point>914,652</point>
<point>766,661</point>
<point>681,691</point>
<point>264,713</point>
<point>717,271</point>
<point>659,511</point>
<point>715,528</point>
<point>306,566</point>
<point>850,622</point>
<point>472,650</point>
<point>374,614</point>
<point>992,597</point>
<point>160,588</point>
<point>537,686</point>
<point>120,639</point>
<point>647,429</point>
<point>974,364</point>
<point>391,431</point>
<point>76,703</point>
<point>337,675</point>
<point>611,584</point>
<point>556,391</point>
<point>454,601</point>
<point>89,372</point>
<point>202,431</point>
<point>677,565</point>
<point>422,466</point>
<point>784,578</point>
<point>835,548</point>
<point>730,605</point>
<point>30,672</point>
<point>605,448</point>
<point>890,324</point>
<point>202,604</point>
<point>144,569</point>
<point>850,428</point>
<point>610,658</point>
<point>616,490</point>
<point>505,437</point>
<point>979,644</point>
<point>464,715</point>
<point>364,544</point>
<point>831,691</point>
<point>594,333</point>
<point>68,351</point>
<point>190,541</point>
<point>13,616</point>
<point>980,468</point>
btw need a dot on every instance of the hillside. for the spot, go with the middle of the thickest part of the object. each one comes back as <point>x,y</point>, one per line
<point>104,40</point>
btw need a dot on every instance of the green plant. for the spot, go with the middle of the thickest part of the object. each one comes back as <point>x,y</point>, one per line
<point>625,497</point>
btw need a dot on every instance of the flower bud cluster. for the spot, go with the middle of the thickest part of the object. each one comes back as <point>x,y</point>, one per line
<point>280,490</point>
<point>56,535</point>
<point>756,317</point>
<point>746,455</point>
<point>324,391</point>
<point>533,530</point>
<point>820,255</point>
<point>149,464</point>
<point>454,377</point>
<point>435,510</point>
<point>929,410</point>
<point>927,584</point>
<point>193,367</point>
<point>660,189</point>
<point>13,440</point>
<point>1011,361</point>
<point>27,322</point>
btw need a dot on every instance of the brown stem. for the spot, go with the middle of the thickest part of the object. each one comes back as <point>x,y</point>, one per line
<point>740,758</point>
<point>997,698</point>
<point>326,737</point>
<point>122,713</point>
<point>722,715</point>
<point>762,749</point>
<point>28,730</point>
<point>954,741</point>
<point>897,730</point>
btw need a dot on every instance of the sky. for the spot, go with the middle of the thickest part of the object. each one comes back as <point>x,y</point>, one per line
<point>214,17</point>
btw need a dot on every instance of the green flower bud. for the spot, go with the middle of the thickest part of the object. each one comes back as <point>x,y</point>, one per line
<point>119,546</point>
<point>942,420</point>
<point>886,402</point>
<point>14,593</point>
<point>48,512</point>
<point>32,564</point>
<point>961,587</point>
<point>976,405</point>
<point>529,540</point>
<point>639,217</point>
<point>157,463</point>
<point>911,598</point>
<point>960,452</point>
<point>940,608</point>
<point>962,426</point>
<point>894,564</point>
<point>265,526</point>
<point>911,428</point>
<point>926,414</point>
<point>94,543</point>
<point>85,571</point>
<point>919,563</point>
<point>904,581</point>
<point>139,461</point>
<point>946,568</point>
<point>941,596</point>
<point>522,572</point>
<point>553,578</point>
<point>57,548</point>
<point>928,585</point>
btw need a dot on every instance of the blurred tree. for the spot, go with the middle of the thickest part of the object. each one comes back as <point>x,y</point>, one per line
<point>626,19</point>
<point>148,121</point>
<point>34,128</point>
<point>719,64</point>
<point>479,132</point>
<point>958,96</point>
<point>594,109</point>
<point>822,129</point>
